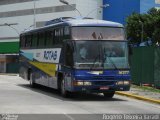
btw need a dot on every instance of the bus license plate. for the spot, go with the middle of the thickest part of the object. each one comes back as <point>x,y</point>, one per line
<point>104,88</point>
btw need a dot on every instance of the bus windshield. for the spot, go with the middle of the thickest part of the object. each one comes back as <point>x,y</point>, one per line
<point>101,54</point>
<point>95,33</point>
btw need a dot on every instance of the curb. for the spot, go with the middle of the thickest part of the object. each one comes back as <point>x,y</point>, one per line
<point>138,97</point>
<point>9,74</point>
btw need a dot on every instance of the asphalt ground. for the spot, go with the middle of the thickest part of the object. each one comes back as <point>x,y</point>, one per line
<point>17,97</point>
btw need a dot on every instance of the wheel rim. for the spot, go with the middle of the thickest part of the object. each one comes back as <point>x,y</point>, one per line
<point>62,87</point>
<point>31,81</point>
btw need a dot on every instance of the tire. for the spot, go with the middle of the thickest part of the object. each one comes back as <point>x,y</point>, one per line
<point>31,81</point>
<point>64,92</point>
<point>109,94</point>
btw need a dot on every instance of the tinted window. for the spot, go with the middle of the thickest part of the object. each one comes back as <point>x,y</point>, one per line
<point>22,41</point>
<point>66,34</point>
<point>49,39</point>
<point>34,40</point>
<point>28,41</point>
<point>41,39</point>
<point>59,32</point>
<point>57,36</point>
<point>98,33</point>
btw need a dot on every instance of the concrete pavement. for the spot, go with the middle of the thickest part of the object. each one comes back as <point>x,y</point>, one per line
<point>17,97</point>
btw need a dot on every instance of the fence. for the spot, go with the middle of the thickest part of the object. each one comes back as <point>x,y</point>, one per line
<point>145,66</point>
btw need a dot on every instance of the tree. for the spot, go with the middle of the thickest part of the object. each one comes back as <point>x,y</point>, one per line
<point>133,28</point>
<point>151,26</point>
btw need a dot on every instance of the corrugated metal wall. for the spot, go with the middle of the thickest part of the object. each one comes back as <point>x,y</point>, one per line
<point>145,66</point>
<point>157,67</point>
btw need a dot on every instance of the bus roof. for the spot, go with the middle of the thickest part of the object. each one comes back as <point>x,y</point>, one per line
<point>79,22</point>
<point>93,22</point>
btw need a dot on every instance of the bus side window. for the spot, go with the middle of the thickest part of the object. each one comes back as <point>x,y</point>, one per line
<point>57,36</point>
<point>48,36</point>
<point>66,34</point>
<point>34,40</point>
<point>61,35</point>
<point>28,41</point>
<point>53,37</point>
<point>41,39</point>
<point>22,41</point>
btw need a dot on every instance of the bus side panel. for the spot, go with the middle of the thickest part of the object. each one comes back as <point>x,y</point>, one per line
<point>24,67</point>
<point>53,82</point>
<point>23,72</point>
<point>43,64</point>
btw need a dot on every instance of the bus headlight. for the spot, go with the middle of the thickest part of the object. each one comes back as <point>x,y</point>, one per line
<point>81,83</point>
<point>119,83</point>
<point>122,82</point>
<point>78,83</point>
<point>87,83</point>
<point>126,82</point>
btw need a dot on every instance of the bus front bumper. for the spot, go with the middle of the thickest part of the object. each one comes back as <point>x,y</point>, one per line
<point>100,89</point>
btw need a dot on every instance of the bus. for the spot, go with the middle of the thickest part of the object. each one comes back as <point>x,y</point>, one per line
<point>76,55</point>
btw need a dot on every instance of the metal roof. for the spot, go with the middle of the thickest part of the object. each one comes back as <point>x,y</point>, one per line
<point>93,22</point>
<point>77,22</point>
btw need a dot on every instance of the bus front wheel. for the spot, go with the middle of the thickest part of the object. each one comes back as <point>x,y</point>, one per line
<point>109,94</point>
<point>64,92</point>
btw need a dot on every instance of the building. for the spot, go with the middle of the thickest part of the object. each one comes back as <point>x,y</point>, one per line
<point>119,10</point>
<point>20,15</point>
<point>17,16</point>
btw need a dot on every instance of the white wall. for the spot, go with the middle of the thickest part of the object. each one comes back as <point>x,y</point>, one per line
<point>84,6</point>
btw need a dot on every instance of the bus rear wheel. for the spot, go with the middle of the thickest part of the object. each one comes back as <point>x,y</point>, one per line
<point>109,94</point>
<point>31,81</point>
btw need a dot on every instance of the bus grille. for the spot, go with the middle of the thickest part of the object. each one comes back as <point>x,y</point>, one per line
<point>103,77</point>
<point>101,83</point>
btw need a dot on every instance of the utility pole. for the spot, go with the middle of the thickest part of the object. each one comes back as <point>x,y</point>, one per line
<point>34,16</point>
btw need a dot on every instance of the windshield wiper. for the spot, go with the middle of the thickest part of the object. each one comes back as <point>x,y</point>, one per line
<point>115,67</point>
<point>94,61</point>
<point>106,57</point>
